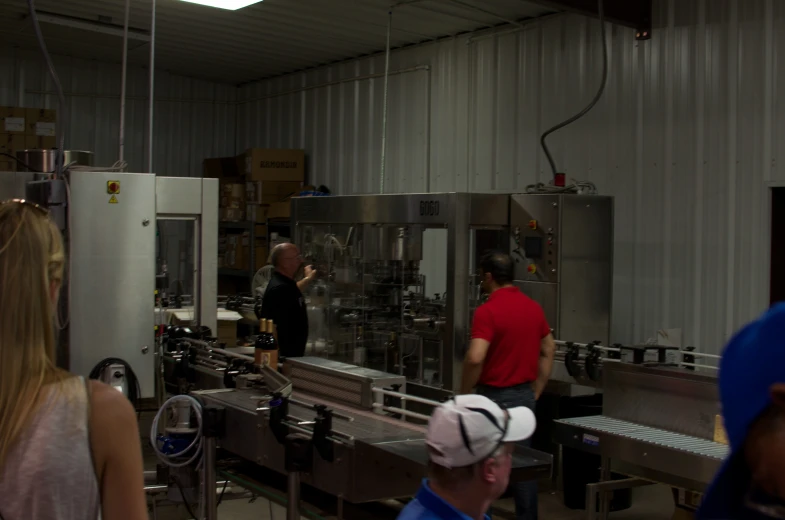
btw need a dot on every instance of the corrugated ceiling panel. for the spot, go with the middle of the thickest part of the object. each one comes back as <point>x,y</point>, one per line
<point>193,119</point>
<point>262,40</point>
<point>685,137</point>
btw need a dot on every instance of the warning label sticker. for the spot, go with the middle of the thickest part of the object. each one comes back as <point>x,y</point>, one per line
<point>113,200</point>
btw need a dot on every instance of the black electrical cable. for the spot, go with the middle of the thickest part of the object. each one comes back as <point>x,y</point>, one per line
<point>134,390</point>
<point>182,495</point>
<point>23,164</point>
<point>601,12</point>
<point>221,497</point>
<point>60,155</point>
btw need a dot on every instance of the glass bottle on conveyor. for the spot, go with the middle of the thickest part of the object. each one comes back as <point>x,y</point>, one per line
<point>270,352</point>
<point>261,343</point>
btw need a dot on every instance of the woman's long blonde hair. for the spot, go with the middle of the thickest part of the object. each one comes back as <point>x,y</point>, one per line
<point>31,270</point>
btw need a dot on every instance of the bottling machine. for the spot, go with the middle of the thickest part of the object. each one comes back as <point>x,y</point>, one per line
<point>374,306</point>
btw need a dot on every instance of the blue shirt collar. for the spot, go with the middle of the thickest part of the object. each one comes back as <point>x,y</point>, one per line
<point>438,506</point>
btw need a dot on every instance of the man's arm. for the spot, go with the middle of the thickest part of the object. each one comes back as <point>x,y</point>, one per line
<point>310,275</point>
<point>472,364</point>
<point>547,351</point>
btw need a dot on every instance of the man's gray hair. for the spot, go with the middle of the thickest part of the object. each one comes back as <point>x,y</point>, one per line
<point>275,254</point>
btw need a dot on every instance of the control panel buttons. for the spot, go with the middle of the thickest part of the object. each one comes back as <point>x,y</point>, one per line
<point>532,224</point>
<point>532,268</point>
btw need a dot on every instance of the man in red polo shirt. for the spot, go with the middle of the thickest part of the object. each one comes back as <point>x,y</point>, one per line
<point>510,357</point>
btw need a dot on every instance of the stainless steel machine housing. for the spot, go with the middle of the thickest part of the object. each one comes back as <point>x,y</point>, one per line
<point>563,248</point>
<point>112,258</point>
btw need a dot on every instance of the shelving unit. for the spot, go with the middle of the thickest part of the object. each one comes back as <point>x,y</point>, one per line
<point>245,226</point>
<point>282,226</point>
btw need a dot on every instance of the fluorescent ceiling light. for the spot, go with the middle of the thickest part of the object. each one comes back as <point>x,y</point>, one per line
<point>231,5</point>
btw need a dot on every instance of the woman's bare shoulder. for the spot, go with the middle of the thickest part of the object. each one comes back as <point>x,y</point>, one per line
<point>110,406</point>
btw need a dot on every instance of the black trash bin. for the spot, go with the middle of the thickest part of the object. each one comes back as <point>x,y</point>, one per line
<point>580,468</point>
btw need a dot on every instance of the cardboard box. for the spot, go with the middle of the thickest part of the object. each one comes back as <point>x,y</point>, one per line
<point>13,120</point>
<point>259,214</point>
<point>280,210</point>
<point>267,192</point>
<point>11,143</point>
<point>263,164</point>
<point>34,142</point>
<point>227,332</point>
<point>233,196</point>
<point>41,122</point>
<point>231,215</point>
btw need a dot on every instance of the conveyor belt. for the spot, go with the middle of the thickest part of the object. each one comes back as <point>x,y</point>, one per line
<point>647,434</point>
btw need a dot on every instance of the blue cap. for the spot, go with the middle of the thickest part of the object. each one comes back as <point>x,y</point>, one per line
<point>753,361</point>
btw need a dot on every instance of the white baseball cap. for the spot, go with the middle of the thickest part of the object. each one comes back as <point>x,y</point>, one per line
<point>470,428</point>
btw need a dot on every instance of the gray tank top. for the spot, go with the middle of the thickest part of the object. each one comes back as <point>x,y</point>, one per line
<point>49,473</point>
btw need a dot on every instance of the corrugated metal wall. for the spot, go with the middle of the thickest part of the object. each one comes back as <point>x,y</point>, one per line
<point>193,119</point>
<point>687,137</point>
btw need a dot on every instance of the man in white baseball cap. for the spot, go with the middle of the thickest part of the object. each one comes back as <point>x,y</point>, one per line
<point>470,444</point>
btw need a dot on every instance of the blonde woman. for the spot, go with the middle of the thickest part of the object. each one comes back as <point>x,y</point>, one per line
<point>69,448</point>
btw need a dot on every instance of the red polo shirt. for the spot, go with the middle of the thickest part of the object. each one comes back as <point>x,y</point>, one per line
<point>514,325</point>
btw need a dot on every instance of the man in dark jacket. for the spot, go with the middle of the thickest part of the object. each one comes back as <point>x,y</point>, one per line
<point>283,300</point>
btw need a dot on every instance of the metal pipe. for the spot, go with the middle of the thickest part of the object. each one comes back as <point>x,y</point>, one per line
<point>123,78</point>
<point>384,107</point>
<point>152,92</point>
<point>427,142</point>
<point>406,397</point>
<point>208,479</point>
<point>401,411</point>
<point>293,496</point>
<point>20,83</point>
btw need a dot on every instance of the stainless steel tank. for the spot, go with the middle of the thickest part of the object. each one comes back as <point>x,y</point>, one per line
<point>44,160</point>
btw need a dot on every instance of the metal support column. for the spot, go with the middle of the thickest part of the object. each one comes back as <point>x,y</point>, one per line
<point>293,496</point>
<point>212,428</point>
<point>208,479</point>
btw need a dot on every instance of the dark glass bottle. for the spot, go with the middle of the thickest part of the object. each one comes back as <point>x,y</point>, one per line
<point>261,343</point>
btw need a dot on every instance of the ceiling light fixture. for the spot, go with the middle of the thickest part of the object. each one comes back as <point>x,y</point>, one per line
<point>231,5</point>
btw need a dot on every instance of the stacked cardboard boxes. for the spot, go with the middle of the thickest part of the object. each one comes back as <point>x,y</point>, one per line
<point>271,178</point>
<point>254,184</point>
<point>232,203</point>
<point>25,129</point>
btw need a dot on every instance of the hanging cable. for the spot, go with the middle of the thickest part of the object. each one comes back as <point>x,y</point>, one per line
<point>171,459</point>
<point>601,12</point>
<point>60,154</point>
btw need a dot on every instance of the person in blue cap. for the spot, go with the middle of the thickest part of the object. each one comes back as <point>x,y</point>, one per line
<point>751,483</point>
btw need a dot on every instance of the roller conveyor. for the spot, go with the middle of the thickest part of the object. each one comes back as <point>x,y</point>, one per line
<point>649,435</point>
